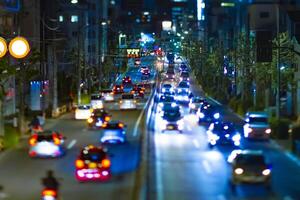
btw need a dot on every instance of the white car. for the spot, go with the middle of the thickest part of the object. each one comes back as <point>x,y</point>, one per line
<point>257,126</point>
<point>96,101</point>
<point>127,102</point>
<point>83,112</point>
<point>108,95</point>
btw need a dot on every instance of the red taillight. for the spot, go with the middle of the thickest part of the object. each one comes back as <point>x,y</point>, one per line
<point>33,139</point>
<point>105,163</point>
<point>121,125</point>
<point>49,193</point>
<point>104,125</point>
<point>79,163</point>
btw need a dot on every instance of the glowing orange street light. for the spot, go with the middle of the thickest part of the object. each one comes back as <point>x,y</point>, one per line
<point>19,47</point>
<point>3,47</point>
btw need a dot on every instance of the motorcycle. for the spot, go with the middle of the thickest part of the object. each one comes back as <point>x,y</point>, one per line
<point>49,194</point>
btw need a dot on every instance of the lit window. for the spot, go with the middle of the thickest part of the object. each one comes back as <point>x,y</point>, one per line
<point>74,18</point>
<point>61,18</point>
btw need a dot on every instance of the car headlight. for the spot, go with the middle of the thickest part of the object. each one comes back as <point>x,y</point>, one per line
<point>236,137</point>
<point>163,90</point>
<point>217,115</point>
<point>266,172</point>
<point>268,131</point>
<point>201,115</point>
<point>179,90</point>
<point>171,90</point>
<point>193,106</point>
<point>213,137</point>
<point>238,171</point>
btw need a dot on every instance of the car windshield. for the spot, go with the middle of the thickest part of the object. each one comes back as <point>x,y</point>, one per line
<point>106,91</point>
<point>183,84</point>
<point>113,126</point>
<point>96,97</point>
<point>127,96</point>
<point>197,100</point>
<point>224,128</point>
<point>250,159</point>
<point>263,120</point>
<point>84,107</point>
<point>99,113</point>
<point>47,138</point>
<point>184,74</point>
<point>93,155</point>
<point>167,86</point>
<point>167,99</point>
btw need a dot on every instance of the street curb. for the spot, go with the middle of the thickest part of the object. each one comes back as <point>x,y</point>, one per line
<point>288,153</point>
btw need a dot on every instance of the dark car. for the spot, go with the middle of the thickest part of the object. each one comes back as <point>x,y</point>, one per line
<point>118,89</point>
<point>126,80</point>
<point>195,103</point>
<point>249,166</point>
<point>97,118</point>
<point>138,92</point>
<point>183,67</point>
<point>208,115</point>
<point>184,76</point>
<point>172,118</point>
<point>93,164</point>
<point>113,132</point>
<point>223,133</point>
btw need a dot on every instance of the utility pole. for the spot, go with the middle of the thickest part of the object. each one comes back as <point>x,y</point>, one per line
<point>278,65</point>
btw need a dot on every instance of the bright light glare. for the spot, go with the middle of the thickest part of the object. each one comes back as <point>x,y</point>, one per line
<point>266,172</point>
<point>74,1</point>
<point>268,131</point>
<point>238,171</point>
<point>217,115</point>
<point>19,47</point>
<point>3,47</point>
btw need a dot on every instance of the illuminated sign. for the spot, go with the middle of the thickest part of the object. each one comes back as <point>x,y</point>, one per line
<point>167,25</point>
<point>226,4</point>
<point>133,53</point>
<point>10,5</point>
<point>200,9</point>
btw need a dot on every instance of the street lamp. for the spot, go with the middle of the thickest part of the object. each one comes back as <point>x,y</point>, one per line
<point>19,47</point>
<point>3,47</point>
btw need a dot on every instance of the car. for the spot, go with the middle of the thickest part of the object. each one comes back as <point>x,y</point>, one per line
<point>203,106</point>
<point>182,97</point>
<point>145,86</point>
<point>146,73</point>
<point>209,115</point>
<point>249,166</point>
<point>163,100</point>
<point>170,74</point>
<point>171,118</point>
<point>83,112</point>
<point>183,67</point>
<point>137,61</point>
<point>113,132</point>
<point>108,95</point>
<point>47,144</point>
<point>142,68</point>
<point>138,92</point>
<point>195,103</point>
<point>118,89</point>
<point>184,76</point>
<point>126,80</point>
<point>256,126</point>
<point>96,101</point>
<point>167,88</point>
<point>183,86</point>
<point>97,118</point>
<point>223,133</point>
<point>93,164</point>
<point>128,102</point>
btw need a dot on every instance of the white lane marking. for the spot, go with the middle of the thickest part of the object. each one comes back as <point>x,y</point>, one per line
<point>196,143</point>
<point>287,198</point>
<point>139,119</point>
<point>221,197</point>
<point>71,144</point>
<point>159,184</point>
<point>206,166</point>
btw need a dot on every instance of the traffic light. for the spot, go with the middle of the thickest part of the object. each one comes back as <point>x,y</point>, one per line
<point>264,46</point>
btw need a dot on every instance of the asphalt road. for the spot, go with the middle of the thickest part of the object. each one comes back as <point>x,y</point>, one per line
<point>21,175</point>
<point>183,167</point>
